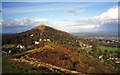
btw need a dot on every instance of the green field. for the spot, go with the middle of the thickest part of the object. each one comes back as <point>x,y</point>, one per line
<point>103,48</point>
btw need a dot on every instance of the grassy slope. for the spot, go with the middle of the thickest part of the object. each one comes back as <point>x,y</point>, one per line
<point>11,66</point>
<point>85,61</point>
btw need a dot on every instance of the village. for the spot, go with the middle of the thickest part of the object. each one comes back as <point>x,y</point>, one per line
<point>107,40</point>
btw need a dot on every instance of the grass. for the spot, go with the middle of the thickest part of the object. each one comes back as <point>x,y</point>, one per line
<point>9,46</point>
<point>11,66</point>
<point>14,66</point>
<point>19,55</point>
<point>103,48</point>
<point>88,48</point>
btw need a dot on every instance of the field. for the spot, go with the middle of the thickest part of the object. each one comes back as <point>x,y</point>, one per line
<point>104,48</point>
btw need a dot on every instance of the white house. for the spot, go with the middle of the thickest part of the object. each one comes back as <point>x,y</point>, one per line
<point>40,39</point>
<point>31,35</point>
<point>36,42</point>
<point>9,51</point>
<point>84,45</point>
<point>101,57</point>
<point>76,40</point>
<point>69,42</point>
<point>108,42</point>
<point>44,39</point>
<point>20,46</point>
<point>48,40</point>
<point>90,46</point>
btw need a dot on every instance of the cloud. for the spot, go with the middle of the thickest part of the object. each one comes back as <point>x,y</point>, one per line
<point>111,14</point>
<point>16,23</point>
<point>75,11</point>
<point>41,20</point>
<point>106,21</point>
<point>0,22</point>
<point>23,22</point>
<point>11,26</point>
<point>88,27</point>
<point>100,22</point>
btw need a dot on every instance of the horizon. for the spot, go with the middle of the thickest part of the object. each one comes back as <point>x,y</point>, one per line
<point>72,17</point>
<point>101,32</point>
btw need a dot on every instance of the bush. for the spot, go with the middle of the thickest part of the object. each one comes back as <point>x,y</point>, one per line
<point>63,57</point>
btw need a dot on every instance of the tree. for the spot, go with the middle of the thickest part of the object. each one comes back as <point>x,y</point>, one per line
<point>118,54</point>
<point>94,48</point>
<point>106,51</point>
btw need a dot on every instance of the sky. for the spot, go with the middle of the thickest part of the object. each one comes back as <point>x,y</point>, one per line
<point>73,17</point>
<point>60,0</point>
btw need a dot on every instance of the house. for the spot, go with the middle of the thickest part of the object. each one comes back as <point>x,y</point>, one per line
<point>117,60</point>
<point>31,35</point>
<point>80,44</point>
<point>84,45</point>
<point>20,46</point>
<point>44,39</point>
<point>69,42</point>
<point>76,40</point>
<point>36,42</point>
<point>100,57</point>
<point>9,51</point>
<point>90,46</point>
<point>48,40</point>
<point>40,39</point>
<point>108,42</point>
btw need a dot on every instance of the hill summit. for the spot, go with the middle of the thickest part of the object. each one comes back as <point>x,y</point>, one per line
<point>40,27</point>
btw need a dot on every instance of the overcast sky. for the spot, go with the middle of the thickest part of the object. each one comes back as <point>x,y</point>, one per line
<point>66,16</point>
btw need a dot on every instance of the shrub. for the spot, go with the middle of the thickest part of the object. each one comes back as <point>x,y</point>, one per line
<point>63,57</point>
